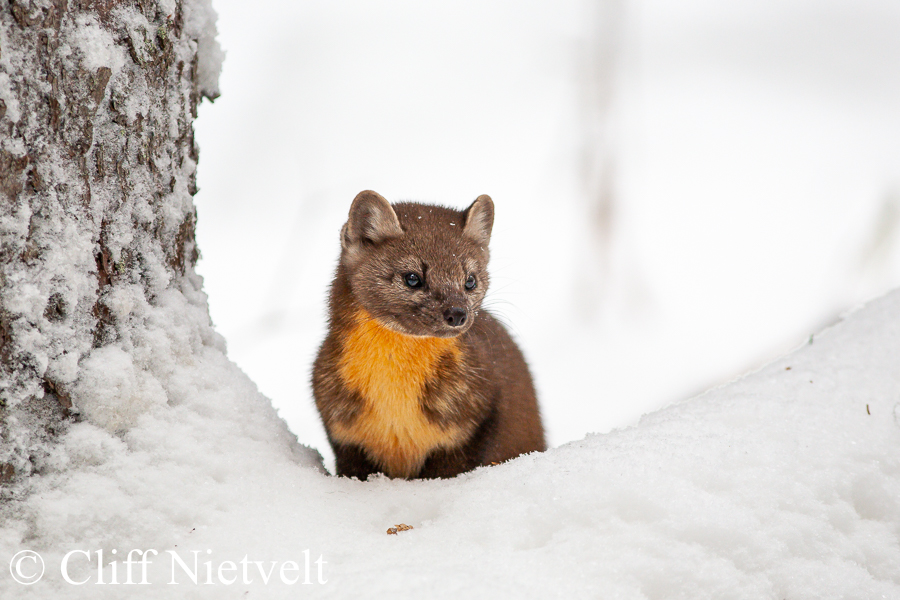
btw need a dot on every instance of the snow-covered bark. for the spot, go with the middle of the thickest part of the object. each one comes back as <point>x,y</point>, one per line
<point>97,173</point>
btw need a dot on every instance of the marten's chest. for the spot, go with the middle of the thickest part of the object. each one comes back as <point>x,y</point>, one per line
<point>391,372</point>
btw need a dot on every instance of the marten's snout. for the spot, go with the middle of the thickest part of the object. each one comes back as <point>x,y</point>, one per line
<point>455,317</point>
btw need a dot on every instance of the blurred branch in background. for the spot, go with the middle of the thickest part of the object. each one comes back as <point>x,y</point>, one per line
<point>601,62</point>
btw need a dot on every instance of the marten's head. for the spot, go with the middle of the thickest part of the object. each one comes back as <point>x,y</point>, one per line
<point>418,269</point>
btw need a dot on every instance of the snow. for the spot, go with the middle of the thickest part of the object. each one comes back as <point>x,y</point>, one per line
<point>7,95</point>
<point>8,98</point>
<point>112,393</point>
<point>97,45</point>
<point>200,24</point>
<point>783,484</point>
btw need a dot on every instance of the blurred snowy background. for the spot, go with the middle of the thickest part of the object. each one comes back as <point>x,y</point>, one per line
<point>683,190</point>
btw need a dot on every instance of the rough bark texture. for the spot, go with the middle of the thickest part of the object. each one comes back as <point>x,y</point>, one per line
<point>97,173</point>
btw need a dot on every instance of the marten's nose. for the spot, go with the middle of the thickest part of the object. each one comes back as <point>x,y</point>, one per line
<point>455,317</point>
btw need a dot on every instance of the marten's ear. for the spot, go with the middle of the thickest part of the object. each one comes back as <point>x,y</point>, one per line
<point>480,220</point>
<point>371,219</point>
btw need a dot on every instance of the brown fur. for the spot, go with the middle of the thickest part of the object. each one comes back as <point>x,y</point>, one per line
<point>403,387</point>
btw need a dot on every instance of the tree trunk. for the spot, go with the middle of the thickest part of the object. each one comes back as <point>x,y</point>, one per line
<point>97,174</point>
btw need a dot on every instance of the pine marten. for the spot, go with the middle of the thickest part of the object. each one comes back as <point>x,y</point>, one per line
<point>414,378</point>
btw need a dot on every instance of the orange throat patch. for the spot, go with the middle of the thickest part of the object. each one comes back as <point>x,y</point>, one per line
<point>389,370</point>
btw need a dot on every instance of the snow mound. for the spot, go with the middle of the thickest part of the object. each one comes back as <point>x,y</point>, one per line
<point>784,484</point>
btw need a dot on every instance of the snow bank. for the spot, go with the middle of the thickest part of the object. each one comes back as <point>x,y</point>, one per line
<point>785,484</point>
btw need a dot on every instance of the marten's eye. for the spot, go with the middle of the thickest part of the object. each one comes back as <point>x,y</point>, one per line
<point>412,280</point>
<point>470,282</point>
